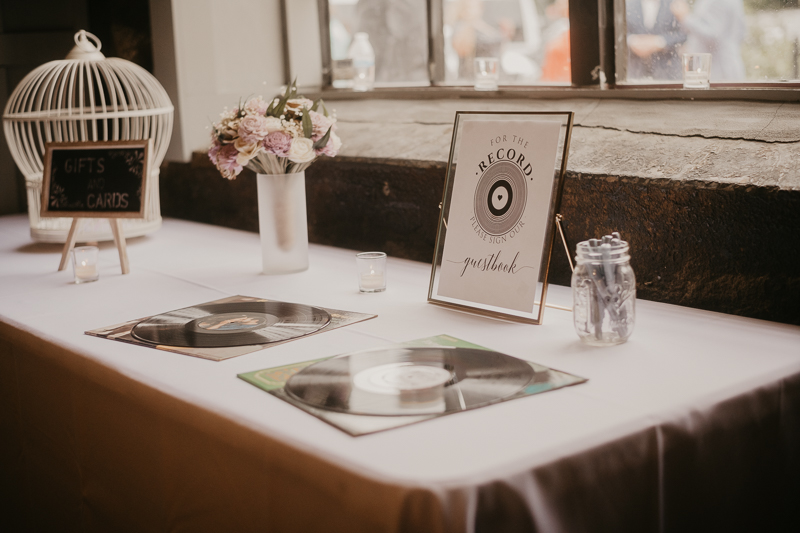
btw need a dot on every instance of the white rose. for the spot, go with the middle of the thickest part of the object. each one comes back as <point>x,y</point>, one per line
<point>302,150</point>
<point>246,151</point>
<point>273,124</point>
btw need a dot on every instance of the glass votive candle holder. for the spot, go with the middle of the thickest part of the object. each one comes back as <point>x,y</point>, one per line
<point>371,271</point>
<point>696,71</point>
<point>487,73</point>
<point>84,264</point>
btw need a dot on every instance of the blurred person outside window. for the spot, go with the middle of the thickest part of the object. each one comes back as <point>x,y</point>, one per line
<point>716,27</point>
<point>654,37</point>
<point>509,30</point>
<point>473,37</point>
<point>521,55</point>
<point>340,34</point>
<point>557,64</point>
<point>398,33</point>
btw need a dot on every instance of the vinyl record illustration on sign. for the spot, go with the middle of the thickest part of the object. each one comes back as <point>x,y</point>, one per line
<point>500,198</point>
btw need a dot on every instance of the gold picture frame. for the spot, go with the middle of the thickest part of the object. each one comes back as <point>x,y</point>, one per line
<point>513,199</point>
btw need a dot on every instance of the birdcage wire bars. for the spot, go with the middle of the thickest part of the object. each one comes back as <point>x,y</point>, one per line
<point>86,97</point>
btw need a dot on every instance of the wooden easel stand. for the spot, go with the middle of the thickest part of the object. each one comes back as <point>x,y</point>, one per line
<point>119,240</point>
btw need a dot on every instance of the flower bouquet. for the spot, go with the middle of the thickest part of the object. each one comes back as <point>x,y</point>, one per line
<point>278,140</point>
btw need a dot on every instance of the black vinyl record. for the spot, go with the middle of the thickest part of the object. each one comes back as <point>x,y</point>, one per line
<point>231,324</point>
<point>410,381</point>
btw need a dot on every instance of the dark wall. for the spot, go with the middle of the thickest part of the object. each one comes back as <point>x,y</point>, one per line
<point>33,32</point>
<point>124,28</point>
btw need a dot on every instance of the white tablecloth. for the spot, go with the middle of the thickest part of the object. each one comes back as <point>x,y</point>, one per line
<point>692,425</point>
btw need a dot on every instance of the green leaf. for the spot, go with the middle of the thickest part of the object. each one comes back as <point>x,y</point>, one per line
<point>291,92</point>
<point>324,140</point>
<point>307,126</point>
<point>317,105</point>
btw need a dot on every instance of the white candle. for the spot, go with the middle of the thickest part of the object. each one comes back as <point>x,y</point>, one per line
<point>85,270</point>
<point>373,280</point>
<point>371,271</point>
<point>84,264</point>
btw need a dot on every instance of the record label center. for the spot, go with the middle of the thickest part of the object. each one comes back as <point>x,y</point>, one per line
<point>226,322</point>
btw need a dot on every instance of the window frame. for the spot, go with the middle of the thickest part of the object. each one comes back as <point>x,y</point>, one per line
<point>594,64</point>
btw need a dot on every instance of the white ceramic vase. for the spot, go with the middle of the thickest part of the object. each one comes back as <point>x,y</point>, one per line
<point>282,222</point>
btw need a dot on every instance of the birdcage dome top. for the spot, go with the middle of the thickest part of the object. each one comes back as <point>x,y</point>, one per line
<point>87,83</point>
<point>84,97</point>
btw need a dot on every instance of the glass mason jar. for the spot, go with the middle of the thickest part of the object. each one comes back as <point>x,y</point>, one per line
<point>603,292</point>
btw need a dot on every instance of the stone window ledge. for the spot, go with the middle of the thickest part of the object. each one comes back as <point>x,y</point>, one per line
<point>714,143</point>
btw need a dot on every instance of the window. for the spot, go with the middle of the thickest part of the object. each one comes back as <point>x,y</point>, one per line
<point>628,43</point>
<point>749,40</point>
<point>397,32</point>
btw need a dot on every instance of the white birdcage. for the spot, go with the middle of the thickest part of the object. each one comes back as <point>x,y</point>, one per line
<point>86,97</point>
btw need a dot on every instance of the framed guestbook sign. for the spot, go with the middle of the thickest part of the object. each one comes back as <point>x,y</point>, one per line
<point>497,226</point>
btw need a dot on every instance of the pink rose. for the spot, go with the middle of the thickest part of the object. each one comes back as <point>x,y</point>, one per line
<point>226,161</point>
<point>253,128</point>
<point>213,151</point>
<point>278,143</point>
<point>320,124</point>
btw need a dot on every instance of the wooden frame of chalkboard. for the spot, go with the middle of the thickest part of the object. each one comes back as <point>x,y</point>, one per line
<point>102,179</point>
<point>84,191</point>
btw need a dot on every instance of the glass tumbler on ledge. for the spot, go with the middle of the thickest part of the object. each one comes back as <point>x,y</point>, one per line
<point>696,71</point>
<point>603,291</point>
<point>487,73</point>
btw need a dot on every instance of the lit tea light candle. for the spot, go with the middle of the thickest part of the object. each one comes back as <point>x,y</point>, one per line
<point>85,270</point>
<point>373,280</point>
<point>371,271</point>
<point>84,264</point>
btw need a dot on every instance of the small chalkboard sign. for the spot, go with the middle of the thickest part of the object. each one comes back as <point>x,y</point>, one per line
<point>104,179</point>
